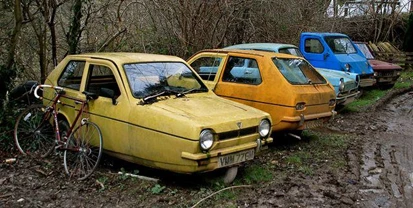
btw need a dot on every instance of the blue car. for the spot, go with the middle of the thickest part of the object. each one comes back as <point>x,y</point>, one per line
<point>345,83</point>
<point>336,51</point>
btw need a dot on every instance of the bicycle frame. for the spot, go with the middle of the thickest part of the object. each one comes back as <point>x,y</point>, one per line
<point>52,108</point>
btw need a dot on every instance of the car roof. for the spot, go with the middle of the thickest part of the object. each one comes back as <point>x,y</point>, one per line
<point>323,34</point>
<point>122,57</point>
<point>250,52</point>
<point>264,46</point>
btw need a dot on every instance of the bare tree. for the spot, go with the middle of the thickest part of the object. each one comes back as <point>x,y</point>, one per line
<point>8,70</point>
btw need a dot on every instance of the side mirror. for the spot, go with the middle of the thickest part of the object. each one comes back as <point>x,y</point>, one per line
<point>326,55</point>
<point>106,92</point>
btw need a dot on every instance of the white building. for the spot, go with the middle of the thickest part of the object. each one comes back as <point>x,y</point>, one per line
<point>366,7</point>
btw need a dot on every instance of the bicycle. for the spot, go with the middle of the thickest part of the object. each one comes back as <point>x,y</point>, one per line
<point>38,132</point>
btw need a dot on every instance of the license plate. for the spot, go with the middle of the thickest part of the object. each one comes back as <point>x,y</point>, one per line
<point>386,79</point>
<point>235,158</point>
<point>314,124</point>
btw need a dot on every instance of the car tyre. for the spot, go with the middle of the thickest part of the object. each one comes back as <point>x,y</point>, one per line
<point>230,175</point>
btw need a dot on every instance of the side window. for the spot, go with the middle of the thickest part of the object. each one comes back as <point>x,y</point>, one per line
<point>72,75</point>
<point>242,70</point>
<point>313,46</point>
<point>206,67</point>
<point>102,81</point>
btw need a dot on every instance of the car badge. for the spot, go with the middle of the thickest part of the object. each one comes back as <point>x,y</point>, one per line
<point>239,124</point>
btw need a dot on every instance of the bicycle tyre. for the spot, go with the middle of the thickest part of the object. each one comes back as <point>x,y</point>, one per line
<point>83,151</point>
<point>34,134</point>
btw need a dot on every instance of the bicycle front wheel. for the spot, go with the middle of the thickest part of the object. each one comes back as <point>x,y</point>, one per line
<point>83,151</point>
<point>34,133</point>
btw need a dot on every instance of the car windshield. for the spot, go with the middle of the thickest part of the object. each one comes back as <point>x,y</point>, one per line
<point>292,51</point>
<point>298,71</point>
<point>162,78</point>
<point>365,50</point>
<point>340,45</point>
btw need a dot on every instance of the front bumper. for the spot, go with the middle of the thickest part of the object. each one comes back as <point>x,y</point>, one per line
<point>303,118</point>
<point>302,122</point>
<point>225,151</point>
<point>346,98</point>
<point>385,80</point>
<point>367,82</point>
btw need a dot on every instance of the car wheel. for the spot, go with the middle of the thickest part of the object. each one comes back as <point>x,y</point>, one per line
<point>230,174</point>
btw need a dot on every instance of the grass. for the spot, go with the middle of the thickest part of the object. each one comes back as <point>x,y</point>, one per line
<point>368,98</point>
<point>405,80</point>
<point>371,96</point>
<point>257,173</point>
<point>322,148</point>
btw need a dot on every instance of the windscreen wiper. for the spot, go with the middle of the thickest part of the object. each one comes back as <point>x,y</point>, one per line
<point>182,94</point>
<point>151,98</point>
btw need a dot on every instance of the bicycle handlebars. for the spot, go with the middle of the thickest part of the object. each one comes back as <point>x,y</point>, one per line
<point>45,86</point>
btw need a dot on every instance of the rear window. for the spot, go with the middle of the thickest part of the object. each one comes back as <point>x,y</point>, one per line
<point>298,71</point>
<point>292,51</point>
<point>242,70</point>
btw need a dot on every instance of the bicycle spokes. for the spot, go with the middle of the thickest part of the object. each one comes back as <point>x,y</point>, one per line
<point>33,133</point>
<point>83,151</point>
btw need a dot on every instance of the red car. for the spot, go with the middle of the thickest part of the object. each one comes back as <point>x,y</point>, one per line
<point>386,73</point>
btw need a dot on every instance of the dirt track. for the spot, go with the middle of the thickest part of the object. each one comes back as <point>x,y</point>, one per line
<point>386,173</point>
<point>379,173</point>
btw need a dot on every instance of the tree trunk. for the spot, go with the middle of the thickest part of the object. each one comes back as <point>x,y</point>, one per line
<point>16,31</point>
<point>74,30</point>
<point>7,71</point>
<point>51,24</point>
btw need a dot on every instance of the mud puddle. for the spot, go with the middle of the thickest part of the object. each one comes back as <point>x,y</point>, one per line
<point>386,165</point>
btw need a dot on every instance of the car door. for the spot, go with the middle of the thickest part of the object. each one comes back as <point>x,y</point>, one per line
<point>207,66</point>
<point>110,111</point>
<point>71,79</point>
<point>318,54</point>
<point>240,80</point>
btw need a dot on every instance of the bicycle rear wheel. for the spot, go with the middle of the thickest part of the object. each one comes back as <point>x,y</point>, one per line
<point>83,151</point>
<point>34,133</point>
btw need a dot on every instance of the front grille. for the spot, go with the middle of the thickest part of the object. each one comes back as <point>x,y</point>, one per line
<point>238,133</point>
<point>350,85</point>
<point>346,93</point>
<point>367,82</point>
<point>386,74</point>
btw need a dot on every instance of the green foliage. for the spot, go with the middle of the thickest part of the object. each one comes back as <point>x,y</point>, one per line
<point>257,173</point>
<point>226,195</point>
<point>293,160</point>
<point>103,180</point>
<point>408,39</point>
<point>367,98</point>
<point>157,189</point>
<point>322,148</point>
<point>405,79</point>
<point>123,176</point>
<point>307,170</point>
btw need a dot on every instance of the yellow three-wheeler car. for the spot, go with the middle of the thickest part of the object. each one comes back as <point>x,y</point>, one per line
<point>155,110</point>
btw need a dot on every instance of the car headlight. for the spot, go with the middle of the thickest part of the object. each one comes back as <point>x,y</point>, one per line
<point>264,128</point>
<point>332,102</point>
<point>206,139</point>
<point>347,67</point>
<point>300,106</point>
<point>341,86</point>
